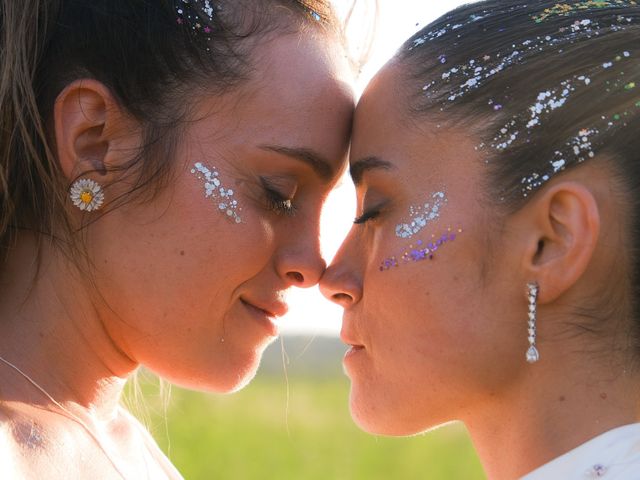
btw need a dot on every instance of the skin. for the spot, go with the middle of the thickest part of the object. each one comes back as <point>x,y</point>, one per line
<point>445,339</point>
<point>174,285</point>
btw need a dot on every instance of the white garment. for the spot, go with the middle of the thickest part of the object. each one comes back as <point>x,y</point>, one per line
<point>614,455</point>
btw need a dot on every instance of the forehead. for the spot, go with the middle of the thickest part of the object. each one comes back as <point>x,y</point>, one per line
<point>418,147</point>
<point>299,96</point>
<point>301,90</point>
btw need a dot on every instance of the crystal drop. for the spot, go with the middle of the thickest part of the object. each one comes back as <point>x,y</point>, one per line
<point>532,354</point>
<point>532,316</point>
<point>532,331</point>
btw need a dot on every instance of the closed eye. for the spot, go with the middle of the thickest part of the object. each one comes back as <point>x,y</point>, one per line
<point>277,201</point>
<point>366,217</point>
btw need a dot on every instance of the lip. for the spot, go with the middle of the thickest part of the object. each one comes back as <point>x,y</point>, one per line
<point>348,338</point>
<point>266,313</point>
<point>355,347</point>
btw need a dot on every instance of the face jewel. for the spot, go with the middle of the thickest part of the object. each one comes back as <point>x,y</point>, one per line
<point>213,188</point>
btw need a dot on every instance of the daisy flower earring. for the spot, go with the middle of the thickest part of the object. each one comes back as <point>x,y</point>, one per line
<point>87,195</point>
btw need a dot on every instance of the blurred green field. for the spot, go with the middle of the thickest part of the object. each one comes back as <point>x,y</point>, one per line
<point>263,432</point>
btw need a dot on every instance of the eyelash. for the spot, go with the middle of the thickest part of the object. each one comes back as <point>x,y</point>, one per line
<point>366,217</point>
<point>277,202</point>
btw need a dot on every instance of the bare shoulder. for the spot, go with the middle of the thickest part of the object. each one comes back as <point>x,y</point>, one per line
<point>11,452</point>
<point>158,455</point>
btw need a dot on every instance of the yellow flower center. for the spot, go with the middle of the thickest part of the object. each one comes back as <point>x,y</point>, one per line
<point>86,197</point>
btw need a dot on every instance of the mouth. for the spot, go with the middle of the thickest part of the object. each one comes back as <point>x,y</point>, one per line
<point>266,315</point>
<point>354,346</point>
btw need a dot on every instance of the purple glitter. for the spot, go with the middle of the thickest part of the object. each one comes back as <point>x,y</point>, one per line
<point>418,253</point>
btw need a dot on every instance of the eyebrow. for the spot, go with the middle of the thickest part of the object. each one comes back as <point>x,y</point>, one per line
<point>317,162</point>
<point>360,167</point>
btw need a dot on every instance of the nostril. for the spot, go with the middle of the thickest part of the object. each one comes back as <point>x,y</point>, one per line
<point>341,298</point>
<point>296,277</point>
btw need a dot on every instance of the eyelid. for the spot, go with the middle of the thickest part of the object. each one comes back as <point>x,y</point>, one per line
<point>284,186</point>
<point>371,213</point>
<point>277,201</point>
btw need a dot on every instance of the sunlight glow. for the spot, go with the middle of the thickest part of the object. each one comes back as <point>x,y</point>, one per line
<point>310,313</point>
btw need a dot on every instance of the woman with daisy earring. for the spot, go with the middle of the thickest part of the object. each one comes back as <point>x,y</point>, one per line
<point>492,274</point>
<point>124,172</point>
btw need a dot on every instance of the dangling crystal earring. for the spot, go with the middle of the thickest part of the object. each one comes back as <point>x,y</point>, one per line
<point>87,195</point>
<point>532,293</point>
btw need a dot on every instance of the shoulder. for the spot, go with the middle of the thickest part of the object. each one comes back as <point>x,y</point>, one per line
<point>11,444</point>
<point>158,455</point>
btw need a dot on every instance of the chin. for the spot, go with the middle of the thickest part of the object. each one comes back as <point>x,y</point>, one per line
<point>228,374</point>
<point>379,419</point>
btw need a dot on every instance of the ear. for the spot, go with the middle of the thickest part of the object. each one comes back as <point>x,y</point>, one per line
<point>561,235</point>
<point>87,119</point>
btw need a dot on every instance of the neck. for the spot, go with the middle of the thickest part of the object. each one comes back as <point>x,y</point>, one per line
<point>562,403</point>
<point>50,330</point>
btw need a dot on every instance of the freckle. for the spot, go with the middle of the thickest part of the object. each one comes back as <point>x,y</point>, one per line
<point>561,398</point>
<point>603,396</point>
<point>182,253</point>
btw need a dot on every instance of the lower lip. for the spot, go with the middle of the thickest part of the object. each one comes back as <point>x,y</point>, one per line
<point>262,318</point>
<point>353,352</point>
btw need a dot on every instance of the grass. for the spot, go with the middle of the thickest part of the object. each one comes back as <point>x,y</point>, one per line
<point>260,433</point>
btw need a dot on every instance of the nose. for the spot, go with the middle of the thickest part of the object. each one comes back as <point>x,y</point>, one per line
<point>301,269</point>
<point>299,261</point>
<point>341,285</point>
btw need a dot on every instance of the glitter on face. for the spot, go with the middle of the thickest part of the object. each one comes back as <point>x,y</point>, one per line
<point>422,215</point>
<point>421,250</point>
<point>214,189</point>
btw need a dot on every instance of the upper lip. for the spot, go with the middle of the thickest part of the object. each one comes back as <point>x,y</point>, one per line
<point>347,337</point>
<point>273,308</point>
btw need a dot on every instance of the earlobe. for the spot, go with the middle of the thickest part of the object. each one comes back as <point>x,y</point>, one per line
<point>82,115</point>
<point>564,233</point>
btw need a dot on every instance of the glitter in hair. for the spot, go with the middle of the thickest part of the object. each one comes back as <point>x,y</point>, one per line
<point>461,79</point>
<point>565,9</point>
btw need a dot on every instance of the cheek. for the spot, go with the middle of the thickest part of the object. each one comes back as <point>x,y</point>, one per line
<point>431,351</point>
<point>177,258</point>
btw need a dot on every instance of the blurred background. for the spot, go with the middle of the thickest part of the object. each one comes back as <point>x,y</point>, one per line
<point>292,421</point>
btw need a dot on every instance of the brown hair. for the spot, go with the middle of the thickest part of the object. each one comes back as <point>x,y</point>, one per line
<point>543,87</point>
<point>151,57</point>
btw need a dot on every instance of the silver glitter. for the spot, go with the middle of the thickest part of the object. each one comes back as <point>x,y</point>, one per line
<point>214,189</point>
<point>579,148</point>
<point>422,215</point>
<point>476,72</point>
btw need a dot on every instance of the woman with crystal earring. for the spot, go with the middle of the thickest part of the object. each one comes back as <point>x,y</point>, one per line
<point>492,274</point>
<point>155,204</point>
